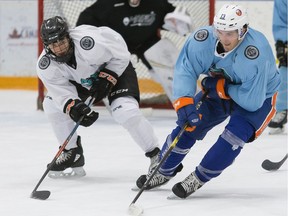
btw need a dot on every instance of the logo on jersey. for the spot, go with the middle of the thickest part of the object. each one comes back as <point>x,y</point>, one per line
<point>140,19</point>
<point>251,52</point>
<point>44,62</point>
<point>87,43</point>
<point>238,12</point>
<point>88,82</point>
<point>223,16</point>
<point>201,35</point>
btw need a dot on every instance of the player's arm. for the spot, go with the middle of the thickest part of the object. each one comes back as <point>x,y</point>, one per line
<point>65,96</point>
<point>192,61</point>
<point>96,14</point>
<point>179,21</point>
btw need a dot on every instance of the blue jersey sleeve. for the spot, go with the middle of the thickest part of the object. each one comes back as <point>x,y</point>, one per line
<point>280,20</point>
<point>194,59</point>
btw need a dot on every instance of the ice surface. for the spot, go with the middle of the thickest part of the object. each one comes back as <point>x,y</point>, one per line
<point>114,162</point>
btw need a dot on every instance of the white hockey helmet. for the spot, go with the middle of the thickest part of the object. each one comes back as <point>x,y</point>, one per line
<point>232,17</point>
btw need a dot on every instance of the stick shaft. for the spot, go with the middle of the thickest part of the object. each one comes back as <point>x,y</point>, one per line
<point>165,156</point>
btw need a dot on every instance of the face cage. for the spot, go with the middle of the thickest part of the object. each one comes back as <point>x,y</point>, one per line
<point>60,59</point>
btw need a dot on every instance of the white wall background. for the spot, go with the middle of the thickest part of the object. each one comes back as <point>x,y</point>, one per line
<point>18,55</point>
<point>18,37</point>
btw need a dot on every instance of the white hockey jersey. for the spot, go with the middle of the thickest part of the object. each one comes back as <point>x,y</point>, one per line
<point>93,46</point>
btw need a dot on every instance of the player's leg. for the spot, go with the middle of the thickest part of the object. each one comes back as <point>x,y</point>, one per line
<point>72,156</point>
<point>211,116</point>
<point>277,125</point>
<point>243,127</point>
<point>125,110</point>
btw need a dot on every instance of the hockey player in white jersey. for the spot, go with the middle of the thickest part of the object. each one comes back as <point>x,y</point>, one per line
<point>242,83</point>
<point>67,67</point>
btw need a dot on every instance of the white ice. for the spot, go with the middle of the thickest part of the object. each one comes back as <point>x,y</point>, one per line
<point>114,162</point>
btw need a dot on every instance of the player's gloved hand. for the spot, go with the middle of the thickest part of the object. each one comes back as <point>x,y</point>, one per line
<point>187,113</point>
<point>103,83</point>
<point>178,21</point>
<point>281,53</point>
<point>216,87</point>
<point>76,109</point>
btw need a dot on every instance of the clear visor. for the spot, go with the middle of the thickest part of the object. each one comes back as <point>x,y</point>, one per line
<point>227,34</point>
<point>232,34</point>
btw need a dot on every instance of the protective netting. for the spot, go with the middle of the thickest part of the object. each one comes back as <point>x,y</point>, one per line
<point>151,92</point>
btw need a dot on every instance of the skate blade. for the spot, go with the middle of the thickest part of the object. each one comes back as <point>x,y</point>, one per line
<point>135,188</point>
<point>72,173</point>
<point>276,131</point>
<point>172,196</point>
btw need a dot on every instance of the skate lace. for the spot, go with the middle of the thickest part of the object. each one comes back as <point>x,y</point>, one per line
<point>190,183</point>
<point>280,116</point>
<point>157,179</point>
<point>63,157</point>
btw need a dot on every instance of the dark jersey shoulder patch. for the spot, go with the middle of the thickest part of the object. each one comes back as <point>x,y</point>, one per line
<point>251,52</point>
<point>201,35</point>
<point>44,62</point>
<point>87,43</point>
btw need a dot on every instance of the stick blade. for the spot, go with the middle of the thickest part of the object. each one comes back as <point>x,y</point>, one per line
<point>270,166</point>
<point>42,195</point>
<point>135,210</point>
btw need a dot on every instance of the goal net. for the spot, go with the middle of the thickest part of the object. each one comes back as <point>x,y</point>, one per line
<point>151,92</point>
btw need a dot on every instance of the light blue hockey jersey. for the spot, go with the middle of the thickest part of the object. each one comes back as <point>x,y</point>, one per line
<point>280,20</point>
<point>250,67</point>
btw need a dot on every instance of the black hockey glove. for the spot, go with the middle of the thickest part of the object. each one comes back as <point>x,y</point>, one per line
<point>281,53</point>
<point>103,83</point>
<point>76,109</point>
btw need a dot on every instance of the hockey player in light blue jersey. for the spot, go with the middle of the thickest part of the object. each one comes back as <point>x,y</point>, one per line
<point>280,31</point>
<point>242,82</point>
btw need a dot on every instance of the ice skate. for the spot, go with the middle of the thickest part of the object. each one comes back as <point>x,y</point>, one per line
<point>277,124</point>
<point>69,163</point>
<point>157,180</point>
<point>188,186</point>
<point>154,156</point>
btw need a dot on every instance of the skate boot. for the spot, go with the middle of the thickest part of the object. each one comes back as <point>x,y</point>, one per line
<point>277,123</point>
<point>188,186</point>
<point>154,158</point>
<point>72,158</point>
<point>157,180</point>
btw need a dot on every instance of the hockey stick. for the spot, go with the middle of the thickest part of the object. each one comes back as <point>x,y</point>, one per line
<point>136,210</point>
<point>44,194</point>
<point>272,166</point>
